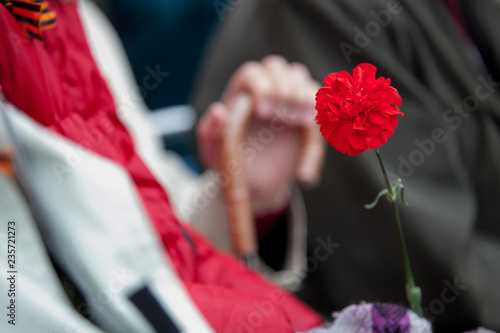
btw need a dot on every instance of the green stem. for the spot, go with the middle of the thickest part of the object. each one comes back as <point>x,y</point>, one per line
<point>386,176</point>
<point>413,292</point>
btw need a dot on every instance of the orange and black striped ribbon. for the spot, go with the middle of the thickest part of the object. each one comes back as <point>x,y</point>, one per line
<point>34,16</point>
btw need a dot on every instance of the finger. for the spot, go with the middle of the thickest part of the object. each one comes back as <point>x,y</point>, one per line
<point>302,80</point>
<point>305,93</point>
<point>201,136</point>
<point>296,104</point>
<point>309,103</point>
<point>292,86</point>
<point>253,78</point>
<point>209,131</point>
<point>280,72</point>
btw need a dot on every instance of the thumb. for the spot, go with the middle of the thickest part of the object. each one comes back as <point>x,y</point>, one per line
<point>208,133</point>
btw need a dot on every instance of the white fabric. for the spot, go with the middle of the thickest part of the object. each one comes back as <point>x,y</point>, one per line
<point>94,224</point>
<point>41,303</point>
<point>172,120</point>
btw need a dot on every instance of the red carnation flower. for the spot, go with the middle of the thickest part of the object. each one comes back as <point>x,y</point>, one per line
<point>357,113</point>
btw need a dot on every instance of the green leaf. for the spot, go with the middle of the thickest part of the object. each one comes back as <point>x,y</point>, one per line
<point>375,202</point>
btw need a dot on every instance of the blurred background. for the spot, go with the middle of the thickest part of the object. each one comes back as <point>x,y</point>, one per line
<point>443,56</point>
<point>172,37</point>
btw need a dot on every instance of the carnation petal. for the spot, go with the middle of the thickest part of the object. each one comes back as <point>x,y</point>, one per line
<point>339,137</point>
<point>397,98</point>
<point>349,140</point>
<point>327,128</point>
<point>358,140</point>
<point>322,91</point>
<point>392,110</point>
<point>352,151</point>
<point>363,73</point>
<point>329,79</point>
<point>386,134</point>
<point>391,124</point>
<point>377,118</point>
<point>357,112</point>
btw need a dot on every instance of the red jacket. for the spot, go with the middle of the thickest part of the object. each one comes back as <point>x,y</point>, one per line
<point>57,83</point>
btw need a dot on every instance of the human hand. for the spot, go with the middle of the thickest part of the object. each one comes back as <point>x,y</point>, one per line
<point>283,96</point>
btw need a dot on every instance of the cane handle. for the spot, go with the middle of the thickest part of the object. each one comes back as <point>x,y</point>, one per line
<point>237,193</point>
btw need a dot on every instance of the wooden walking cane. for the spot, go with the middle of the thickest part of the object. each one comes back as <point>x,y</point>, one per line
<point>237,193</point>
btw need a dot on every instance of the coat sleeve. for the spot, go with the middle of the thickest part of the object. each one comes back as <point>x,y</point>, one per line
<point>234,298</point>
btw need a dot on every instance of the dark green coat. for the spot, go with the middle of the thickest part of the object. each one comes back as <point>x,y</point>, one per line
<point>448,157</point>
